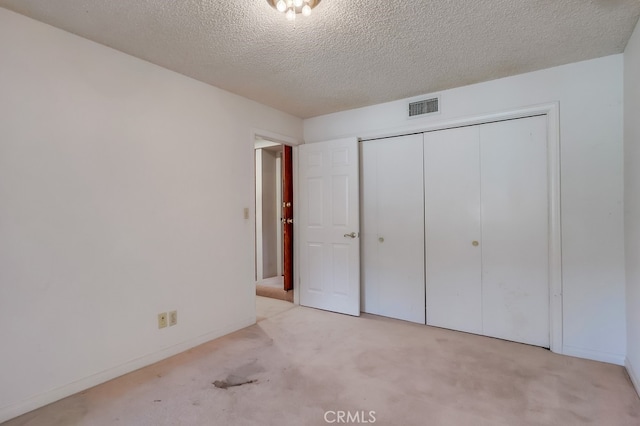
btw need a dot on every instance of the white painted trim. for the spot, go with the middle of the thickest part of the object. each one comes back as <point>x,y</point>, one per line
<point>593,355</point>
<point>276,138</point>
<point>552,111</point>
<point>632,375</point>
<point>296,232</point>
<point>555,228</point>
<point>13,410</point>
<point>460,122</point>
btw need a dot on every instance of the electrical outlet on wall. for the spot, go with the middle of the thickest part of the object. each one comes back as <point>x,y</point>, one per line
<point>162,320</point>
<point>173,318</point>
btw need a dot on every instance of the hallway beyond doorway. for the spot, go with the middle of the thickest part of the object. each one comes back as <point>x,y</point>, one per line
<point>274,288</point>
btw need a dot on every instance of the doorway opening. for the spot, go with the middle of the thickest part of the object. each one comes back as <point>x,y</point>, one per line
<point>274,220</point>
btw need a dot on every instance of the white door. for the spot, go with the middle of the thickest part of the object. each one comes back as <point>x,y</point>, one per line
<point>487,233</point>
<point>393,228</point>
<point>329,226</point>
<point>515,231</point>
<point>452,222</point>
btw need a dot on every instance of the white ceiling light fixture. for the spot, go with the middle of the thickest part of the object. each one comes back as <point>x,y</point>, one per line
<point>291,8</point>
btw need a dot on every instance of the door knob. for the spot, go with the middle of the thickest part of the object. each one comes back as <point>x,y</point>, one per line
<point>289,221</point>
<point>351,235</point>
<point>475,244</point>
<point>381,239</point>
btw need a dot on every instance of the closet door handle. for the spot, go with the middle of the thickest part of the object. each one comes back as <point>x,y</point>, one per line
<point>351,235</point>
<point>475,243</point>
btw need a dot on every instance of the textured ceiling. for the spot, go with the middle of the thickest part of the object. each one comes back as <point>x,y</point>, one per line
<point>348,53</point>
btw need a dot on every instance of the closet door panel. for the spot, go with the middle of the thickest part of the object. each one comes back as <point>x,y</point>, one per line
<point>515,230</point>
<point>401,228</point>
<point>452,222</point>
<point>393,266</point>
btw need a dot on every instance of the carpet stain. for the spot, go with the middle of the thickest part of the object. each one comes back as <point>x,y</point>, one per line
<point>232,381</point>
<point>240,375</point>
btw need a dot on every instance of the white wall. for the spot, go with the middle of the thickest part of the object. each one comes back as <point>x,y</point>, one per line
<point>632,201</point>
<point>590,98</point>
<point>122,189</point>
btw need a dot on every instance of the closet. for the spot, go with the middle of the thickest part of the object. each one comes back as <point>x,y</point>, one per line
<point>483,202</point>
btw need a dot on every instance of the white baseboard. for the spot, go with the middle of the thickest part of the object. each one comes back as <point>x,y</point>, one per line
<point>594,355</point>
<point>632,374</point>
<point>16,409</point>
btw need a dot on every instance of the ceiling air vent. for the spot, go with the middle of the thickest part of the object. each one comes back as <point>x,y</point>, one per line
<point>426,106</point>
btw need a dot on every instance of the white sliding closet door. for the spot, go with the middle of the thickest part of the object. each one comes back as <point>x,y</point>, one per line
<point>487,232</point>
<point>393,228</point>
<point>452,220</point>
<point>515,231</point>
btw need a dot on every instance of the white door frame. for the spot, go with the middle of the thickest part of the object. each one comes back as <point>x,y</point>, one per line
<point>552,112</point>
<point>292,142</point>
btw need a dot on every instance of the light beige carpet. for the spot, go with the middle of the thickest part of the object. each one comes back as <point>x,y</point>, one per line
<point>274,293</point>
<point>267,307</point>
<point>308,365</point>
<point>273,288</point>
